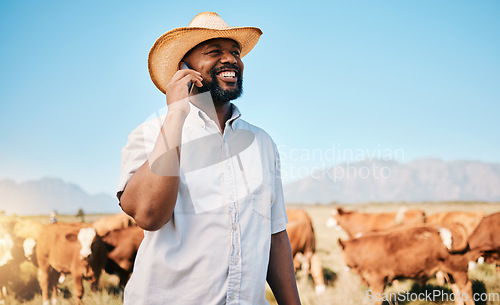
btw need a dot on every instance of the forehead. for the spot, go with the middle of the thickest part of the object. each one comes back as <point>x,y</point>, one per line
<point>217,43</point>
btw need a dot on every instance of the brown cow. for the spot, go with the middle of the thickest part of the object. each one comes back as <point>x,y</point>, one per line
<point>122,246</point>
<point>486,238</point>
<point>469,220</point>
<point>29,230</point>
<point>69,248</point>
<point>113,222</point>
<point>358,224</point>
<point>416,253</point>
<point>303,241</point>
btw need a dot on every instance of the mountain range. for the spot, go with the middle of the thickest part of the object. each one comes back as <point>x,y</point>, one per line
<point>48,194</point>
<point>391,181</point>
<point>357,182</point>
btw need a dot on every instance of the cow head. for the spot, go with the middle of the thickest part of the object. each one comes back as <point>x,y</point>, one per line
<point>332,221</point>
<point>348,259</point>
<point>85,238</point>
<point>29,247</point>
<point>454,237</point>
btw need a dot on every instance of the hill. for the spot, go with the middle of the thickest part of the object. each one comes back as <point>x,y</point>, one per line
<point>47,194</point>
<point>391,181</point>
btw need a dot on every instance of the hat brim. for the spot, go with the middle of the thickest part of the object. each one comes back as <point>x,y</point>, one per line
<point>170,48</point>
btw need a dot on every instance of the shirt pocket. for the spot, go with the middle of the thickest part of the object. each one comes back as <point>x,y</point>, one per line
<point>254,177</point>
<point>262,200</point>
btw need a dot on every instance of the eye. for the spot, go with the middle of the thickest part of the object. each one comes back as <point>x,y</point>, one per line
<point>237,53</point>
<point>215,51</point>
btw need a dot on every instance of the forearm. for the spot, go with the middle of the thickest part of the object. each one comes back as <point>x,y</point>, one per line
<point>280,272</point>
<point>151,192</point>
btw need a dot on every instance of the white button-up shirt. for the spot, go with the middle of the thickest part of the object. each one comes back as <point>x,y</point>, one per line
<point>215,248</point>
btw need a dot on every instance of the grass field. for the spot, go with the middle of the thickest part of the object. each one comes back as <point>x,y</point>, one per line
<point>343,287</point>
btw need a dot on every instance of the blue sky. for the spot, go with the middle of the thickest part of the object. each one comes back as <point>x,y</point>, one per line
<point>407,79</point>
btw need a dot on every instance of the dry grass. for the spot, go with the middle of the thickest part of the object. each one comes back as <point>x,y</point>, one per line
<point>25,290</point>
<point>343,287</point>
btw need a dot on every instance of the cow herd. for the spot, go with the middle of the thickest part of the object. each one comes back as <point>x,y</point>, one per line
<point>382,248</point>
<point>83,250</point>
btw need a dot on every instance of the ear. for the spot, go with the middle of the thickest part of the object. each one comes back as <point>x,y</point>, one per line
<point>340,211</point>
<point>71,237</point>
<point>341,244</point>
<point>110,239</point>
<point>459,237</point>
<point>180,65</point>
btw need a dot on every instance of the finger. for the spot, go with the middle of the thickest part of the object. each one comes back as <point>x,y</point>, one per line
<point>182,73</point>
<point>190,79</point>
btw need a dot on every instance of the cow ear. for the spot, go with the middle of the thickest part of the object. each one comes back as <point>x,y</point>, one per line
<point>111,239</point>
<point>340,211</point>
<point>71,237</point>
<point>341,244</point>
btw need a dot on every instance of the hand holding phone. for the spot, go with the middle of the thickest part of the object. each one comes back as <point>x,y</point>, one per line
<point>176,87</point>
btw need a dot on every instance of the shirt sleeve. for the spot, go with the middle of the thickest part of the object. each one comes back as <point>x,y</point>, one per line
<point>278,210</point>
<point>139,145</point>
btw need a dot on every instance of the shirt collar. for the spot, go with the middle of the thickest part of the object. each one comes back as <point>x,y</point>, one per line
<point>234,116</point>
<point>199,115</point>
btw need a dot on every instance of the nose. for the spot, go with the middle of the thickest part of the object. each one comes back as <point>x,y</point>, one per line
<point>227,57</point>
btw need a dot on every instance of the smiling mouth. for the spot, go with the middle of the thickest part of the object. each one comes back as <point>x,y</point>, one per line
<point>228,76</point>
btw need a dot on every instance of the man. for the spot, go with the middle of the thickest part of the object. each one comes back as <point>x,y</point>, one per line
<point>204,183</point>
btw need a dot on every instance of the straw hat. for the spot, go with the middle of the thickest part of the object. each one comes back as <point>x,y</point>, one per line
<point>170,48</point>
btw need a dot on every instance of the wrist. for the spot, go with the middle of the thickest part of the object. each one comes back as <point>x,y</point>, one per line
<point>179,107</point>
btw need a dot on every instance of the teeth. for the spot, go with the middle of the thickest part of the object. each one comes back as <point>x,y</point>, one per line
<point>230,74</point>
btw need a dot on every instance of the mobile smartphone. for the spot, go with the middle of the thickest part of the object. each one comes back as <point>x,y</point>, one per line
<point>185,66</point>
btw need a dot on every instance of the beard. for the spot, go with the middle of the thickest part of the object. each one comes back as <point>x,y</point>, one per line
<point>220,95</point>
